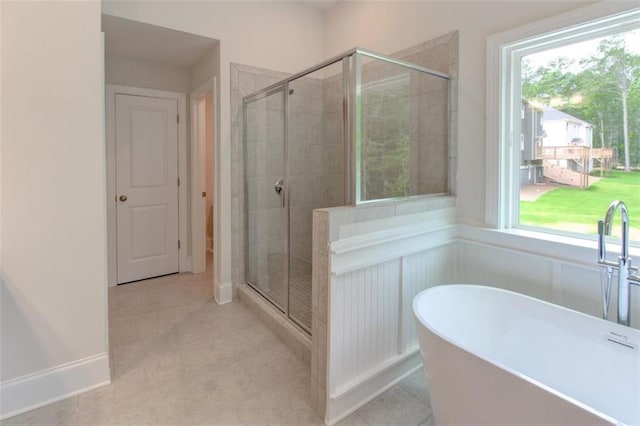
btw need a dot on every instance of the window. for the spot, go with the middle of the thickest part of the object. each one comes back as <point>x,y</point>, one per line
<point>553,83</point>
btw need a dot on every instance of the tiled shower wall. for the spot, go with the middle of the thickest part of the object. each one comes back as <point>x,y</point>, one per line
<point>334,149</point>
<point>264,162</point>
<point>437,108</point>
<point>307,172</point>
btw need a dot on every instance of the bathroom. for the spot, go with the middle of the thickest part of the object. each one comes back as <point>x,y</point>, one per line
<point>370,262</point>
<point>457,247</point>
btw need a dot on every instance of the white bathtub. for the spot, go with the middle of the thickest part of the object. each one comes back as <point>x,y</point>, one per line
<point>497,357</point>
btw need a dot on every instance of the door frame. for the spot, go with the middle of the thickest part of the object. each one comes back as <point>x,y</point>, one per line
<point>111,91</point>
<point>198,172</point>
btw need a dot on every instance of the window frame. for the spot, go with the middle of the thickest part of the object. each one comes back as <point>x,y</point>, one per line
<point>504,53</point>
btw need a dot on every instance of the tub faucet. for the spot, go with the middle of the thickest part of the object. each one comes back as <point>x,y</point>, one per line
<point>627,274</point>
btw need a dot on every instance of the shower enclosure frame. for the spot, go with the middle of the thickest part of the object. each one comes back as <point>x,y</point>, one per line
<point>352,134</point>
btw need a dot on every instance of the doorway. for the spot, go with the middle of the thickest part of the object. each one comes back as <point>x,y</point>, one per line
<point>202,176</point>
<point>148,61</point>
<point>146,166</point>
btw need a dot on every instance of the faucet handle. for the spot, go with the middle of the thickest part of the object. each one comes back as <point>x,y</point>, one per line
<point>633,277</point>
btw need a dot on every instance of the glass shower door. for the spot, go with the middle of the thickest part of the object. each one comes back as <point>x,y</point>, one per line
<point>267,216</point>
<point>315,149</point>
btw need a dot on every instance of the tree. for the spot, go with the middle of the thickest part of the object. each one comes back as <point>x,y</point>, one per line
<point>552,84</point>
<point>634,115</point>
<point>615,64</point>
<point>597,106</point>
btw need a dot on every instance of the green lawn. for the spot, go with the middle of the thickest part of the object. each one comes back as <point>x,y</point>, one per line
<point>578,210</point>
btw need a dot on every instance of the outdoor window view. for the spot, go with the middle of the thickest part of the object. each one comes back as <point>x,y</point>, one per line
<point>385,151</point>
<point>580,134</point>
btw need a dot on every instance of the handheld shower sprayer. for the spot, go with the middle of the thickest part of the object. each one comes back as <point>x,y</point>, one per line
<point>606,275</point>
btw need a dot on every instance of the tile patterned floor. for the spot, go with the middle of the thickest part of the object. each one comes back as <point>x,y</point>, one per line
<point>180,359</point>
<point>300,302</point>
<point>299,298</point>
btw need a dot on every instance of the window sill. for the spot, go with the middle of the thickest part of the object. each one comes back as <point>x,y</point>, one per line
<point>563,247</point>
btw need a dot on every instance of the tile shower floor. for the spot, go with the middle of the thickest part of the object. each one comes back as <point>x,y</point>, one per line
<point>180,359</point>
<point>299,298</point>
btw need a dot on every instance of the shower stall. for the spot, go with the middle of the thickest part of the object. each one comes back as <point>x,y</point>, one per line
<point>358,128</point>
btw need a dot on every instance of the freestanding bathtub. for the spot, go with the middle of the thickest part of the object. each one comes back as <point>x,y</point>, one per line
<point>496,357</point>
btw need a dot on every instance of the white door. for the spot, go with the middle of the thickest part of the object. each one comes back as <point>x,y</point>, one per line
<point>146,187</point>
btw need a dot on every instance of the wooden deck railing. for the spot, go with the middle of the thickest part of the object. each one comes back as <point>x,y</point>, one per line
<point>581,154</point>
<point>572,153</point>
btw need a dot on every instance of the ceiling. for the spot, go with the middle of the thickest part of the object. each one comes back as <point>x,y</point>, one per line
<point>320,4</point>
<point>137,40</point>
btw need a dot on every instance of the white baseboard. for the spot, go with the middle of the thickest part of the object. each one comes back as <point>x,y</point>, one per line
<point>223,292</point>
<point>54,384</point>
<point>358,395</point>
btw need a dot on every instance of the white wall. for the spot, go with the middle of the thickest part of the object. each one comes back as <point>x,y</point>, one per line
<point>284,36</point>
<point>206,68</point>
<point>562,132</point>
<point>150,75</point>
<point>390,26</point>
<point>53,277</point>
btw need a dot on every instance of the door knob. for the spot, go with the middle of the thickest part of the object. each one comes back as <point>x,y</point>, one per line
<point>123,198</point>
<point>278,186</point>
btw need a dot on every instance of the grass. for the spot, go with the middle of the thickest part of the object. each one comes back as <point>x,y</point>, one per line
<point>578,210</point>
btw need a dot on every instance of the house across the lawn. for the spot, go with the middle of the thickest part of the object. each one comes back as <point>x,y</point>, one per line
<point>562,129</point>
<point>558,146</point>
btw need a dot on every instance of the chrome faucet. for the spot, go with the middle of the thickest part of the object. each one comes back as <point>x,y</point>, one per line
<point>627,274</point>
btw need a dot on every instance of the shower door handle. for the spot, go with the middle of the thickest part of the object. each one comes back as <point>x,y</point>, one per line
<point>278,188</point>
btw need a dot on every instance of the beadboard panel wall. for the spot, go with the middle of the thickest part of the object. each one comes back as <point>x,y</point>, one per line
<point>572,285</point>
<point>373,341</point>
<point>371,323</point>
<point>419,272</point>
<point>505,268</point>
<point>373,279</point>
<point>365,323</point>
